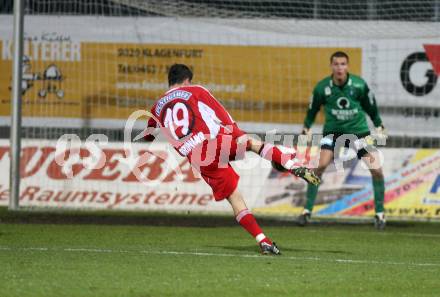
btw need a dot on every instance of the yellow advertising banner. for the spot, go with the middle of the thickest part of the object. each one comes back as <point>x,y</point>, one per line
<point>63,78</point>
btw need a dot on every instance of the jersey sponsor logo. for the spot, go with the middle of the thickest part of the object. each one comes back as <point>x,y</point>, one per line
<point>431,55</point>
<point>191,143</point>
<point>178,94</point>
<point>344,113</point>
<point>343,103</point>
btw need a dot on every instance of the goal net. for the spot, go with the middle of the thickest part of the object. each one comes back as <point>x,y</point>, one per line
<point>88,65</point>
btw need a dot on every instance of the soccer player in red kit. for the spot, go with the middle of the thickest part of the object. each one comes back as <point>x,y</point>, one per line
<point>200,128</point>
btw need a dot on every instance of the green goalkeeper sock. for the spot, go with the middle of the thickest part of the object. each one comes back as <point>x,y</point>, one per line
<point>312,192</point>
<point>379,193</point>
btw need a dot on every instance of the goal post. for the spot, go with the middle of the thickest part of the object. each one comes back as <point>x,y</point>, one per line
<point>15,138</point>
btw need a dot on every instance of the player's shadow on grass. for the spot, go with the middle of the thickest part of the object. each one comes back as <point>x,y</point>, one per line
<point>253,248</point>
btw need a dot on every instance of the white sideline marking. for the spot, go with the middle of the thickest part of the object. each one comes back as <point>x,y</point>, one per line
<point>384,233</point>
<point>205,254</point>
<point>413,234</point>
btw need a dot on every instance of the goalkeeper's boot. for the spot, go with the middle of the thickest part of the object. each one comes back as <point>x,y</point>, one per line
<point>306,174</point>
<point>304,218</point>
<point>269,248</point>
<point>379,221</point>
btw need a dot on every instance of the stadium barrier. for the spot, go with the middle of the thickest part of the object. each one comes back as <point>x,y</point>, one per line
<point>93,178</point>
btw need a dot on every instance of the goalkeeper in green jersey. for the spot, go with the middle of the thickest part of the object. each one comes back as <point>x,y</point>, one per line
<point>346,99</point>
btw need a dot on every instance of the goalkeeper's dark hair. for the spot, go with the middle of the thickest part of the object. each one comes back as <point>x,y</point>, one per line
<point>339,54</point>
<point>178,73</point>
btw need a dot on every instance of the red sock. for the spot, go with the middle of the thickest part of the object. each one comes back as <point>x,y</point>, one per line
<point>248,222</point>
<point>272,153</point>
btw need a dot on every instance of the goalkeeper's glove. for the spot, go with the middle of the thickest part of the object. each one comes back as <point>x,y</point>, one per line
<point>381,135</point>
<point>307,174</point>
<point>308,134</point>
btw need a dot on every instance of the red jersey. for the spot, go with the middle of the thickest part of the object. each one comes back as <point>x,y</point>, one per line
<point>191,117</point>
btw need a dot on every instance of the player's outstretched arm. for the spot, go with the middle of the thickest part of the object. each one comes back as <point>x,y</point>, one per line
<point>312,111</point>
<point>369,105</point>
<point>150,133</point>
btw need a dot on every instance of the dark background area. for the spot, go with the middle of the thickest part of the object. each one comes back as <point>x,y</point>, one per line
<point>420,10</point>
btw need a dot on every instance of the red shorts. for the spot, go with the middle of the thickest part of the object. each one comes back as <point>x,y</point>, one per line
<point>219,174</point>
<point>223,181</point>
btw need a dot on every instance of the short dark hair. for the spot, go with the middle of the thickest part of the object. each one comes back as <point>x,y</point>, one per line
<point>178,73</point>
<point>339,54</point>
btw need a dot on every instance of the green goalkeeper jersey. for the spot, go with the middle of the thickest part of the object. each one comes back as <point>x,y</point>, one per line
<point>344,106</point>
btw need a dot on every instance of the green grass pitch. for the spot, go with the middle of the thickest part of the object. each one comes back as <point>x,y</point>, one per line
<point>141,261</point>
